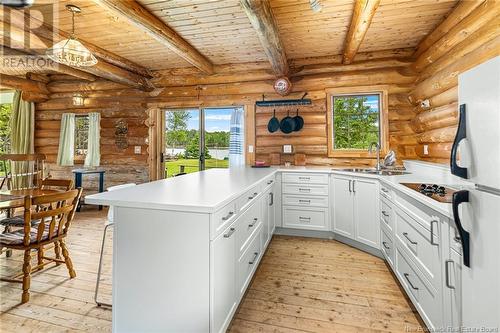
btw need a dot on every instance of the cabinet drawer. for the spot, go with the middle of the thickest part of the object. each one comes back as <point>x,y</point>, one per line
<point>386,191</point>
<point>305,189</point>
<point>309,201</point>
<point>222,218</point>
<point>305,178</point>
<point>268,181</point>
<point>305,218</point>
<point>421,249</point>
<point>248,262</point>
<point>386,213</point>
<point>249,197</point>
<point>246,226</point>
<point>387,247</point>
<point>425,298</point>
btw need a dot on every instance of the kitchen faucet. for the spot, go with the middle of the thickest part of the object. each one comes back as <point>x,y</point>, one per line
<point>370,150</point>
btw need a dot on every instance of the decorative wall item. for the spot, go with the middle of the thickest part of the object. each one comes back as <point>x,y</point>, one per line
<point>121,133</point>
<point>282,86</point>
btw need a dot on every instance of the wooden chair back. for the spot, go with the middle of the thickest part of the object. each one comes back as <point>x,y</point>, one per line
<point>21,171</point>
<point>56,184</point>
<point>55,213</point>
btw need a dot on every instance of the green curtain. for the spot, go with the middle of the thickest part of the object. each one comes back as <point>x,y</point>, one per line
<point>93,157</point>
<point>22,124</point>
<point>66,152</point>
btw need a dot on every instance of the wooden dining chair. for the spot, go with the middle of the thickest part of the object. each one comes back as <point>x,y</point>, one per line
<point>21,171</point>
<point>54,214</point>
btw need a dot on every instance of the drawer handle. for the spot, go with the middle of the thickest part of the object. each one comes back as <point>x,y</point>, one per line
<point>305,178</point>
<point>304,201</point>
<point>304,218</point>
<point>255,256</point>
<point>447,273</point>
<point>385,213</point>
<point>408,238</point>
<point>457,239</point>
<point>228,216</point>
<point>304,190</point>
<point>230,233</point>
<point>432,232</point>
<point>409,282</point>
<point>384,190</point>
<point>251,225</point>
<point>270,182</point>
<point>252,196</point>
<point>271,198</point>
<point>386,246</point>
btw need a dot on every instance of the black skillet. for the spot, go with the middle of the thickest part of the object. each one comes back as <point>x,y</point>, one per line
<point>287,124</point>
<point>274,124</point>
<point>299,122</point>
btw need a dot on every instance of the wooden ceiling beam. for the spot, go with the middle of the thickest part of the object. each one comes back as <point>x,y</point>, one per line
<point>33,91</point>
<point>103,69</point>
<point>262,19</point>
<point>136,14</point>
<point>364,10</point>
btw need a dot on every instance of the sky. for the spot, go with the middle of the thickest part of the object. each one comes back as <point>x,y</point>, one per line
<point>215,120</point>
<point>372,101</point>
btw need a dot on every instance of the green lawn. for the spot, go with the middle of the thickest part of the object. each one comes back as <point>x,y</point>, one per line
<point>191,165</point>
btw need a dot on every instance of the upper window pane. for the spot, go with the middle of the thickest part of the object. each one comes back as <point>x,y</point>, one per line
<point>81,134</point>
<point>356,121</point>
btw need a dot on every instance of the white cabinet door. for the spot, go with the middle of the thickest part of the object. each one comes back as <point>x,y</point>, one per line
<point>453,289</point>
<point>343,221</point>
<point>265,218</point>
<point>271,211</point>
<point>366,211</point>
<point>223,277</point>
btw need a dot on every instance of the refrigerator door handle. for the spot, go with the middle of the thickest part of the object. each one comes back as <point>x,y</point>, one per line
<point>461,134</point>
<point>458,198</point>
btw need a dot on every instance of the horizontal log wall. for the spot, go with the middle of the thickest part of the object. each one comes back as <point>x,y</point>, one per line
<point>463,45</point>
<point>118,103</point>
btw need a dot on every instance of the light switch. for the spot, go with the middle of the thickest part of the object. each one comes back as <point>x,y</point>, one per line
<point>250,148</point>
<point>426,149</point>
<point>137,149</point>
<point>287,149</point>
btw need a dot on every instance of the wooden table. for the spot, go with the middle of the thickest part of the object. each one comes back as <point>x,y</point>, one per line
<point>15,198</point>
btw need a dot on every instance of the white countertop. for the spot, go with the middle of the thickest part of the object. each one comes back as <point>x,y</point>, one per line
<point>209,190</point>
<point>204,191</point>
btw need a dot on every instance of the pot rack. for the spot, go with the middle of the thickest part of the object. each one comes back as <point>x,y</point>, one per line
<point>284,102</point>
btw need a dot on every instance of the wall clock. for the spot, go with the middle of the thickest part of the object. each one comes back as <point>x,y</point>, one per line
<point>282,86</point>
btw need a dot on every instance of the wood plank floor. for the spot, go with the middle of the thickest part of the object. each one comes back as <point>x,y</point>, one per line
<point>301,285</point>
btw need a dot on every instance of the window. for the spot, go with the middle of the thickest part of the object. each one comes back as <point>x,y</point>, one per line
<point>6,99</point>
<point>81,135</point>
<point>355,120</point>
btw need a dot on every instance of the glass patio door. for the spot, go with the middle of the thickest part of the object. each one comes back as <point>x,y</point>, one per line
<point>199,139</point>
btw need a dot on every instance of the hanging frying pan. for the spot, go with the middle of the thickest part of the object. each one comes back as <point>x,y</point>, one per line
<point>274,124</point>
<point>299,122</point>
<point>287,124</point>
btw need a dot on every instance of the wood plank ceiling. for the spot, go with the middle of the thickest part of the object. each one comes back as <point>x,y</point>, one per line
<point>222,32</point>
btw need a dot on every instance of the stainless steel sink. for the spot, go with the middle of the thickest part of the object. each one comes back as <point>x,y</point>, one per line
<point>372,171</point>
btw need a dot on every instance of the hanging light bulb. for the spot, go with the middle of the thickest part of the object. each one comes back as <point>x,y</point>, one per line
<point>315,5</point>
<point>70,51</point>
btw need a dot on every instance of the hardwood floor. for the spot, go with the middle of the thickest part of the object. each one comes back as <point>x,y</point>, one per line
<point>301,285</point>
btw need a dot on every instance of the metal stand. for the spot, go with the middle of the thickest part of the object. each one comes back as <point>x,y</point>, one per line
<point>100,266</point>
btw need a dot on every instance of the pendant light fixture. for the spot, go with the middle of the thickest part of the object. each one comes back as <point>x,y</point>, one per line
<point>315,5</point>
<point>70,51</point>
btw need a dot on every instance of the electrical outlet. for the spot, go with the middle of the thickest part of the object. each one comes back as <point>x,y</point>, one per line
<point>287,149</point>
<point>426,149</point>
<point>250,148</point>
<point>137,150</point>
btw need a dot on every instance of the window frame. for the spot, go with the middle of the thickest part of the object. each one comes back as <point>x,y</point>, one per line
<point>79,158</point>
<point>382,91</point>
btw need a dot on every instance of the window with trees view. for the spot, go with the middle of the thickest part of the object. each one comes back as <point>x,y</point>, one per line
<point>5,113</point>
<point>356,121</point>
<point>81,135</point>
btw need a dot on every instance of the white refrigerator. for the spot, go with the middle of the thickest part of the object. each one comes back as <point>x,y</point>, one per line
<point>477,209</point>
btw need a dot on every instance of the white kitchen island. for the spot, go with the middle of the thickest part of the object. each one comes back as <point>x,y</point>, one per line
<point>185,248</point>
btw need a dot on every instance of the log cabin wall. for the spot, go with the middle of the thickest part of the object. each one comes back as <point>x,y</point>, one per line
<point>466,38</point>
<point>244,84</point>
<point>114,102</point>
